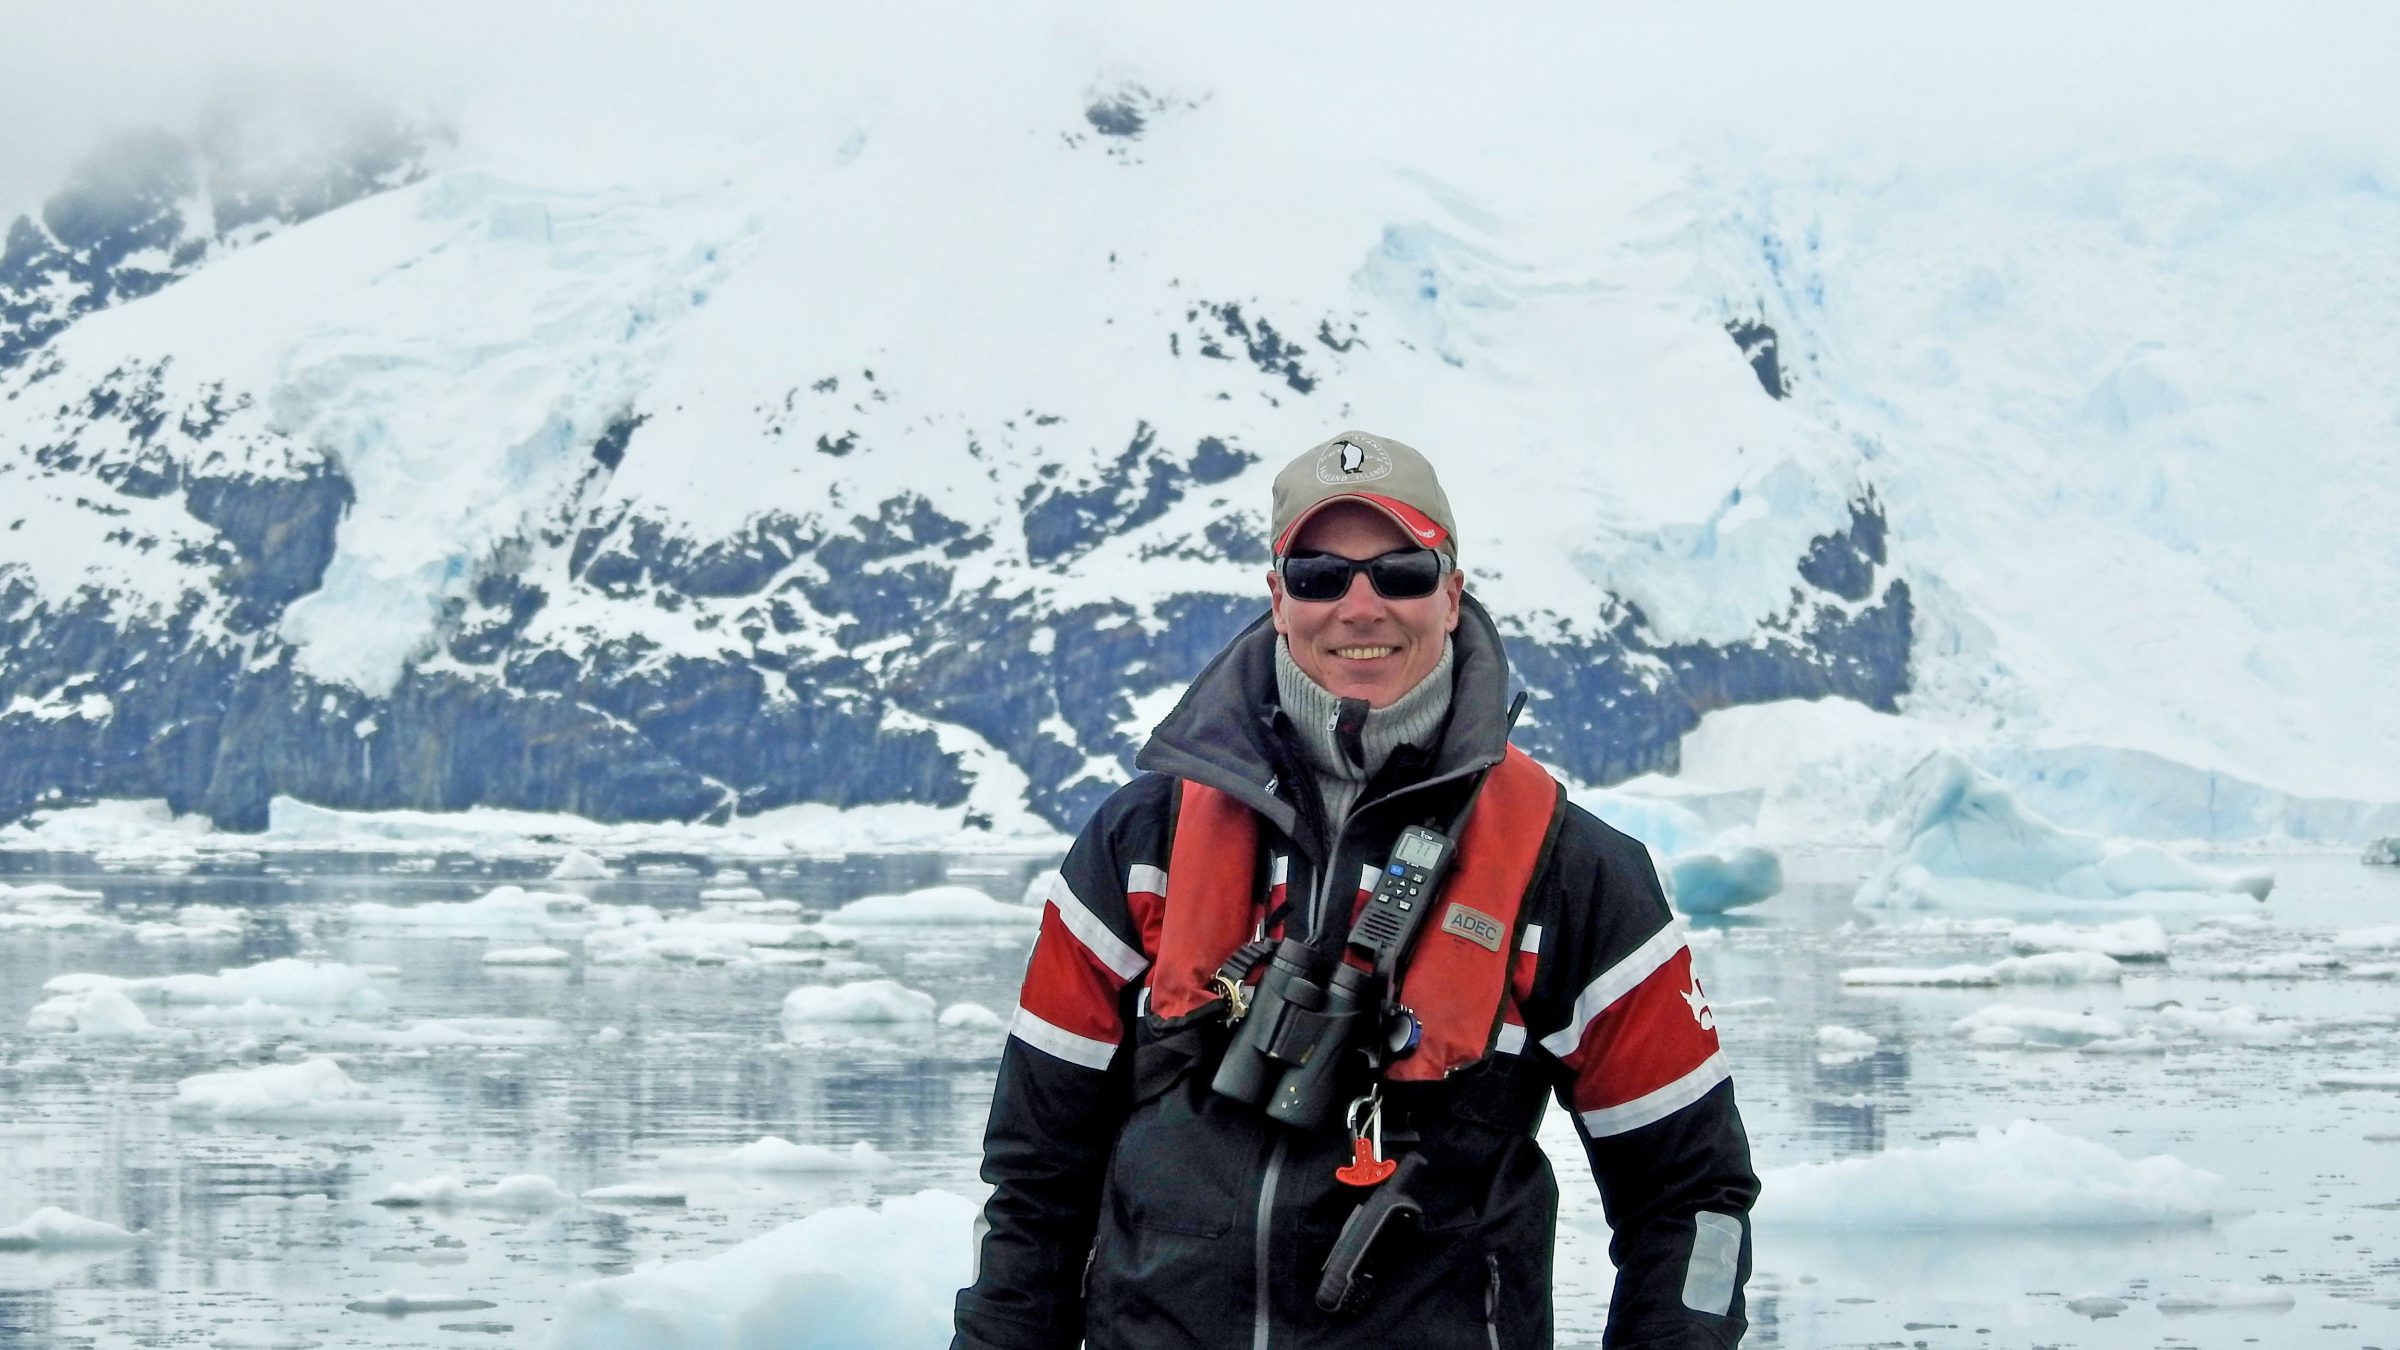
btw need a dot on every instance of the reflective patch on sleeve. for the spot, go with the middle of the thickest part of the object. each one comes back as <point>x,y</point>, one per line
<point>1716,1256</point>
<point>1105,946</point>
<point>1084,1050</point>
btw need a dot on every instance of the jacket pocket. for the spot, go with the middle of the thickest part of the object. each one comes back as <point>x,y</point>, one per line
<point>1183,1165</point>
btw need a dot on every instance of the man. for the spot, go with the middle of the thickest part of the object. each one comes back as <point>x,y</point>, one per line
<point>1167,1172</point>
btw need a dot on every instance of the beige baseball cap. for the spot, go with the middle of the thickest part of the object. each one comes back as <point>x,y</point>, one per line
<point>1377,470</point>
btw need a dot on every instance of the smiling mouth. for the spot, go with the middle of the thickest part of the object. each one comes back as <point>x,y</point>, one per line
<point>1363,653</point>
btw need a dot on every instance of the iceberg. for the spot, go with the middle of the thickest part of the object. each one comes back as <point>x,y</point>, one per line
<point>1962,838</point>
<point>2022,1175</point>
<point>2383,852</point>
<point>313,1089</point>
<point>1712,883</point>
<point>848,1276</point>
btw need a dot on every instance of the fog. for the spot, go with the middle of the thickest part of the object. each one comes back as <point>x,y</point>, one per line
<point>611,84</point>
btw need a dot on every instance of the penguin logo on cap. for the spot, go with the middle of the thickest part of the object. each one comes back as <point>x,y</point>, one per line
<point>1357,460</point>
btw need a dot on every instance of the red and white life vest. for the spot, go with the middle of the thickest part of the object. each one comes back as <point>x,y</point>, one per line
<point>1452,981</point>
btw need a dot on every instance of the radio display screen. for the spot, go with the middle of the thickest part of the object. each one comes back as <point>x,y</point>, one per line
<point>1417,850</point>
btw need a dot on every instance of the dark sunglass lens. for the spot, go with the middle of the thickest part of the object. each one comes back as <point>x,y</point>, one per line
<point>1316,576</point>
<point>1406,576</point>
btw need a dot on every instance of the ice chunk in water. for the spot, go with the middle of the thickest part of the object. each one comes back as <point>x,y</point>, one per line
<point>524,1194</point>
<point>2022,1175</point>
<point>313,1089</point>
<point>934,905</point>
<point>847,1276</point>
<point>1712,883</point>
<point>578,865</point>
<point>52,1228</point>
<point>862,1001</point>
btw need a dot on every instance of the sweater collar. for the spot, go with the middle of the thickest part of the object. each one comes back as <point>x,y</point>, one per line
<point>1213,735</point>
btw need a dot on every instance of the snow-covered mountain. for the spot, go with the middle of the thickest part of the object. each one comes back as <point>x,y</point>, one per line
<point>916,449</point>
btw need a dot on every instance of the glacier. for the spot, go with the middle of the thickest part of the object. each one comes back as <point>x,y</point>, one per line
<point>695,479</point>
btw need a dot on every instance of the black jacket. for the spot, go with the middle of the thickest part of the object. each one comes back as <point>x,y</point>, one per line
<point>1133,1207</point>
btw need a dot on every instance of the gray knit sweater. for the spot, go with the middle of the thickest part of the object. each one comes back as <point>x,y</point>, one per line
<point>1412,719</point>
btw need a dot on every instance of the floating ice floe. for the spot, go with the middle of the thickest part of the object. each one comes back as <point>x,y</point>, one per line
<point>732,893</point>
<point>527,956</point>
<point>842,1277</point>
<point>2383,1081</point>
<point>2126,1031</point>
<point>943,905</point>
<point>394,1302</point>
<point>2383,852</point>
<point>636,1193</point>
<point>100,1013</point>
<point>49,891</point>
<point>506,911</point>
<point>2277,966</point>
<point>2133,940</point>
<point>1712,883</point>
<point>286,980</point>
<point>2047,968</point>
<point>578,865</point>
<point>2022,1175</point>
<point>775,1154</point>
<point>2382,938</point>
<point>1962,838</point>
<point>859,1001</point>
<point>251,1015</point>
<point>1844,1045</point>
<point>313,1089</point>
<point>435,1032</point>
<point>53,1229</point>
<point>525,1194</point>
<point>2005,1024</point>
<point>193,923</point>
<point>2229,1298</point>
<point>971,1017</point>
<point>639,935</point>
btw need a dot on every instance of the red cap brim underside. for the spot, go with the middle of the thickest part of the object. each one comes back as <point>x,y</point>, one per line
<point>1420,527</point>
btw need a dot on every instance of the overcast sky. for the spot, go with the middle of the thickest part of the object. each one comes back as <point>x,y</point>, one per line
<point>2023,78</point>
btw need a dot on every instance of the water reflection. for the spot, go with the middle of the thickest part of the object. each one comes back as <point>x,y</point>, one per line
<point>265,1230</point>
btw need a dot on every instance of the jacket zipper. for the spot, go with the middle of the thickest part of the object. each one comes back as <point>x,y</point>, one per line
<point>1261,1317</point>
<point>1491,1300</point>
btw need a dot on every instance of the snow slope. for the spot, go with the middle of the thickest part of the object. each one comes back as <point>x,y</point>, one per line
<point>844,444</point>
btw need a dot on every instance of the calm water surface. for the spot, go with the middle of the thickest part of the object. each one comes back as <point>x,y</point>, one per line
<point>262,1233</point>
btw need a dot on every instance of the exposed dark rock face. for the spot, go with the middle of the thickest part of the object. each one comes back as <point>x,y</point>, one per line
<point>826,656</point>
<point>1062,523</point>
<point>1757,342</point>
<point>626,730</point>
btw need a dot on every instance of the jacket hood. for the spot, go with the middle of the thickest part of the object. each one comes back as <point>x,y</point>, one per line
<point>1212,736</point>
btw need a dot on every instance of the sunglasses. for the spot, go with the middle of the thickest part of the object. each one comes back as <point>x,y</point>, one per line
<point>1402,574</point>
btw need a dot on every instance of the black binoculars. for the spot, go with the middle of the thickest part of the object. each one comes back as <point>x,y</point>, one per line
<point>1309,1011</point>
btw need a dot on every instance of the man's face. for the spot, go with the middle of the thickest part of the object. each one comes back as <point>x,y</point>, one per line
<point>1363,645</point>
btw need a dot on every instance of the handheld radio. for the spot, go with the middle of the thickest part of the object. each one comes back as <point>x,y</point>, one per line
<point>1404,891</point>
